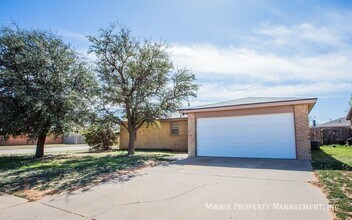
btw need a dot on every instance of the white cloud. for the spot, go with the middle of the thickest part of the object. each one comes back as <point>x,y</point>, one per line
<point>258,69</point>
<point>213,92</point>
<point>89,56</point>
<point>73,35</point>
<point>305,33</point>
<point>298,60</point>
<point>208,60</point>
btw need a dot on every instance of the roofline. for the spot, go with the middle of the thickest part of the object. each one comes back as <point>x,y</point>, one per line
<point>310,101</point>
<point>331,124</point>
<point>168,119</point>
<point>171,119</point>
<point>338,126</point>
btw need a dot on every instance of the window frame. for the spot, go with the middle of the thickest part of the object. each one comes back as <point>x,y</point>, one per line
<point>174,125</point>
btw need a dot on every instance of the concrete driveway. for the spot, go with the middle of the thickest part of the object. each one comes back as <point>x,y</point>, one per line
<point>194,188</point>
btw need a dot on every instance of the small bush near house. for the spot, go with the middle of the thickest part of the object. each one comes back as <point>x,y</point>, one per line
<point>101,136</point>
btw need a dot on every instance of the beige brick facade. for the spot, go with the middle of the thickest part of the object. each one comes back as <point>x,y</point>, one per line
<point>192,134</point>
<point>302,132</point>
<point>158,137</point>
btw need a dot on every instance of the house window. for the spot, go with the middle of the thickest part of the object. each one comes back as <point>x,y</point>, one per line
<point>175,128</point>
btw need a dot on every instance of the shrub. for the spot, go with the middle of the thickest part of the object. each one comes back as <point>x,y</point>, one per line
<point>101,136</point>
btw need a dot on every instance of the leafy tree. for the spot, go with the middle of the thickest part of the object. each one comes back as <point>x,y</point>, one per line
<point>45,87</point>
<point>138,80</point>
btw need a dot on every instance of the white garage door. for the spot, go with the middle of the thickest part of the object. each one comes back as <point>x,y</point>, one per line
<point>255,136</point>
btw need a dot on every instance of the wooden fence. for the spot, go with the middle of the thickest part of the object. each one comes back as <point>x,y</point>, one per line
<point>330,135</point>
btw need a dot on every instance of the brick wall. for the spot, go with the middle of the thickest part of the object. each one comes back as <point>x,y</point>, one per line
<point>23,141</point>
<point>158,137</point>
<point>302,132</point>
<point>191,134</point>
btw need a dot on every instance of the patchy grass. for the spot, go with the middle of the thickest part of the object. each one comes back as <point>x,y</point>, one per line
<point>333,166</point>
<point>33,178</point>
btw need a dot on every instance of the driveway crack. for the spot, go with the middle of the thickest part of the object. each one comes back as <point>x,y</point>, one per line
<point>14,205</point>
<point>74,213</point>
<point>158,200</point>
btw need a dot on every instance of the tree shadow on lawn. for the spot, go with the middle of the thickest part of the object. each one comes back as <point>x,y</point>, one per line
<point>324,161</point>
<point>57,173</point>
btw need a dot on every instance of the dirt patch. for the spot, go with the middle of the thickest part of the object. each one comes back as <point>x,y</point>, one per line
<point>318,184</point>
<point>33,194</point>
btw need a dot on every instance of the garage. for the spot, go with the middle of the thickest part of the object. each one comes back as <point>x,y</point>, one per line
<point>254,136</point>
<point>254,127</point>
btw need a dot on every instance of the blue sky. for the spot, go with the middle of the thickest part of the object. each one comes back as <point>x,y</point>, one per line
<point>235,48</point>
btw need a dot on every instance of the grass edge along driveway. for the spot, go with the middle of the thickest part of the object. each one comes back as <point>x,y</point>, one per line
<point>32,178</point>
<point>333,166</point>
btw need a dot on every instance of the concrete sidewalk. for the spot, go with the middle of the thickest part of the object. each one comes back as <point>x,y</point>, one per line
<point>12,207</point>
<point>200,188</point>
<point>7,201</point>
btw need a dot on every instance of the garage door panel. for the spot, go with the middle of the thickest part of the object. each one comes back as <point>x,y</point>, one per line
<point>283,118</point>
<point>263,136</point>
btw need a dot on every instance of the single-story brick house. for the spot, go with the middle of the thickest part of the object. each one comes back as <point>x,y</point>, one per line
<point>22,140</point>
<point>72,138</point>
<point>167,134</point>
<point>254,127</point>
<point>333,132</point>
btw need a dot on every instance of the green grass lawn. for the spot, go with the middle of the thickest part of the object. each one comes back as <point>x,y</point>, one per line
<point>333,166</point>
<point>33,178</point>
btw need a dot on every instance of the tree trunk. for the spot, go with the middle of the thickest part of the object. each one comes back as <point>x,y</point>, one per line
<point>40,146</point>
<point>132,138</point>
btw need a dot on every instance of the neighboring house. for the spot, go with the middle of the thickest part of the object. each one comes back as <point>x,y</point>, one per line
<point>340,122</point>
<point>349,115</point>
<point>22,140</point>
<point>167,134</point>
<point>251,127</point>
<point>333,132</point>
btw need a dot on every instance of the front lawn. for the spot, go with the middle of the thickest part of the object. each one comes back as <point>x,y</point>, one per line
<point>333,166</point>
<point>33,178</point>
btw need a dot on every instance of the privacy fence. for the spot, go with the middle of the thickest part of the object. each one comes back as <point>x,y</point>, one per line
<point>332,135</point>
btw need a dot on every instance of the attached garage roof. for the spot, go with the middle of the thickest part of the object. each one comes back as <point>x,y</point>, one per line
<point>251,102</point>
